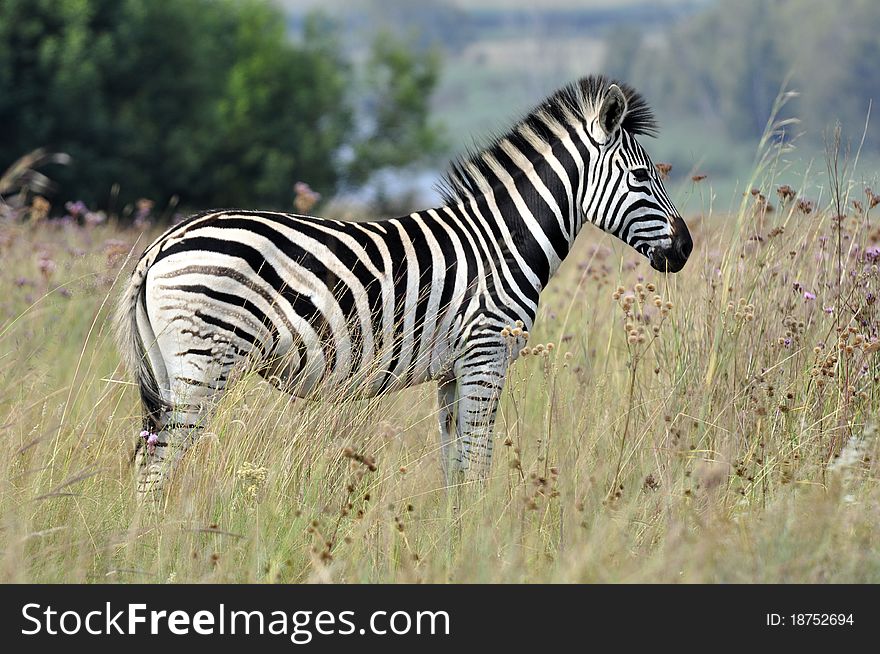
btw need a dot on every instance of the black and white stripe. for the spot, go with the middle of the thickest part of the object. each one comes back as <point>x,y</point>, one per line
<point>360,308</point>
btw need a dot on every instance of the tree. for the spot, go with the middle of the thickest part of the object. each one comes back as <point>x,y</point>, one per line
<point>207,100</point>
<point>283,113</point>
<point>400,130</point>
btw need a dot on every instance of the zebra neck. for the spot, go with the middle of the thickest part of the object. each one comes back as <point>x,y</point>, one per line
<point>532,217</point>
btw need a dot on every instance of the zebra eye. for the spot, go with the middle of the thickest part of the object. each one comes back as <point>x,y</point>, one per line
<point>641,174</point>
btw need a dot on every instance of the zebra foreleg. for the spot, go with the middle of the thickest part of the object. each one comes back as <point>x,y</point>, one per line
<point>479,389</point>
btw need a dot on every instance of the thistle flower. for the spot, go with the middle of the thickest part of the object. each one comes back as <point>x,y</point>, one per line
<point>805,206</point>
<point>809,296</point>
<point>151,440</point>
<point>39,208</point>
<point>142,214</point>
<point>305,198</point>
<point>94,218</point>
<point>664,169</point>
<point>76,209</point>
<point>46,265</point>
<point>785,192</point>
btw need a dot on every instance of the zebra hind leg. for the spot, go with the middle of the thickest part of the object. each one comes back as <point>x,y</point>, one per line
<point>180,426</point>
<point>156,455</point>
<point>450,457</point>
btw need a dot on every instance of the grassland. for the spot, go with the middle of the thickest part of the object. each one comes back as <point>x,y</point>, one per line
<point>727,436</point>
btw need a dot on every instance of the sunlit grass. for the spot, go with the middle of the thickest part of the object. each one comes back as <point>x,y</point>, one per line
<point>722,431</point>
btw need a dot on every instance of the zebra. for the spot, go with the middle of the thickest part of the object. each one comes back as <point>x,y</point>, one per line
<point>320,306</point>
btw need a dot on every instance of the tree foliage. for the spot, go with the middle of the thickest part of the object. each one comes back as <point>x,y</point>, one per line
<point>208,100</point>
<point>396,104</point>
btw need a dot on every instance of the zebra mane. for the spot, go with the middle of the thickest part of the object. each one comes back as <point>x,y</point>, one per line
<point>579,99</point>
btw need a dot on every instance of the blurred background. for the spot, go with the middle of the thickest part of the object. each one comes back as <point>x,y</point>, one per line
<point>129,108</point>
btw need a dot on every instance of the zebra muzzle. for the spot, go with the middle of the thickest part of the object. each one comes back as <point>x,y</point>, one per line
<point>673,258</point>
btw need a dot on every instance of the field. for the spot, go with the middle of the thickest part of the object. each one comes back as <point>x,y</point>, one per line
<point>723,431</point>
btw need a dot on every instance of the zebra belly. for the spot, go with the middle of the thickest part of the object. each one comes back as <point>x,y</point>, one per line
<point>313,378</point>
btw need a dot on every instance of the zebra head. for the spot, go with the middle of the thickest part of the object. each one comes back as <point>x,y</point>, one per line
<point>627,198</point>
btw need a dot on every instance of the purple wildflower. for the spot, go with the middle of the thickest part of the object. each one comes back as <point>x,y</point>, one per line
<point>46,265</point>
<point>151,440</point>
<point>143,213</point>
<point>809,296</point>
<point>872,253</point>
<point>305,198</point>
<point>93,218</point>
<point>828,310</point>
<point>797,286</point>
<point>77,208</point>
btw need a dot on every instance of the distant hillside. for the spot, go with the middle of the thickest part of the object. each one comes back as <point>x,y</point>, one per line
<point>477,5</point>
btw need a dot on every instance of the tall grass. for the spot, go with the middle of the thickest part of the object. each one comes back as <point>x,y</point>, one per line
<point>723,430</point>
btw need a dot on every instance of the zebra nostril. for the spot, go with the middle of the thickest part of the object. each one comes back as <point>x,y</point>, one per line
<point>685,247</point>
<point>683,243</point>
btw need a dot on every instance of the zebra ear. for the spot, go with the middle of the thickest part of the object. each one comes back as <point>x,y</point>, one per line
<point>613,109</point>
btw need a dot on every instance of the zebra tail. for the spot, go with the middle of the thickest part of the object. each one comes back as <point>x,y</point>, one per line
<point>131,333</point>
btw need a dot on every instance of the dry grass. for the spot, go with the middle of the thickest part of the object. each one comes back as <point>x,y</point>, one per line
<point>737,444</point>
